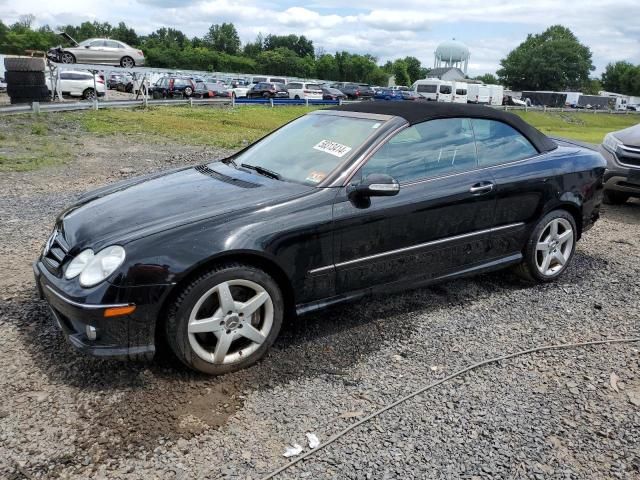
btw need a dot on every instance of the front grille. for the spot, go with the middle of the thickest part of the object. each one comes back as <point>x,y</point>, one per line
<point>205,170</point>
<point>631,161</point>
<point>55,253</point>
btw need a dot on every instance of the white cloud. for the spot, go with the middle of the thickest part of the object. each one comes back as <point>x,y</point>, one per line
<point>387,30</point>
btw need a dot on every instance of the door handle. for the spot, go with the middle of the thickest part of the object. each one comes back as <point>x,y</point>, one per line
<point>481,188</point>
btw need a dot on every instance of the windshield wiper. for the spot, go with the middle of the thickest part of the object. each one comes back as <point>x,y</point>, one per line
<point>231,161</point>
<point>262,171</point>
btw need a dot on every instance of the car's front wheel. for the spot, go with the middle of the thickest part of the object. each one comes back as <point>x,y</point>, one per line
<point>67,57</point>
<point>226,319</point>
<point>615,198</point>
<point>550,247</point>
<point>127,62</point>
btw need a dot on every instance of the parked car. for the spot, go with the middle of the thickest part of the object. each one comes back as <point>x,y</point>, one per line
<point>211,90</point>
<point>3,85</point>
<point>621,149</point>
<point>77,84</point>
<point>97,51</point>
<point>356,200</point>
<point>113,80</point>
<point>268,90</point>
<point>168,87</point>
<point>262,79</point>
<point>240,91</point>
<point>357,91</point>
<point>329,93</point>
<point>409,95</point>
<point>388,94</point>
<point>304,91</point>
<point>478,93</point>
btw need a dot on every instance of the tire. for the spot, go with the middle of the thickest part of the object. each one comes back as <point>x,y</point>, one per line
<point>24,64</point>
<point>266,96</point>
<point>197,349</point>
<point>533,265</point>
<point>297,97</point>
<point>615,198</point>
<point>25,78</point>
<point>27,91</point>
<point>156,95</point>
<point>67,58</point>
<point>188,91</point>
<point>127,62</point>
<point>88,94</point>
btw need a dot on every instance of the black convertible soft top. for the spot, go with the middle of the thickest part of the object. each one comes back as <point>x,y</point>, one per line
<point>421,111</point>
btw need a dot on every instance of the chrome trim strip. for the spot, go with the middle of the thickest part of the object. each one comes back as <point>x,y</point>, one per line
<point>418,246</point>
<point>86,306</point>
<point>349,113</point>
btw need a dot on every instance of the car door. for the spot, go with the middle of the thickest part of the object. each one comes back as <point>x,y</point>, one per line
<point>111,53</point>
<point>523,180</point>
<point>65,82</point>
<point>438,223</point>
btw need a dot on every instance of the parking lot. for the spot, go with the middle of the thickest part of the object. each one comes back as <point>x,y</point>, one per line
<point>563,414</point>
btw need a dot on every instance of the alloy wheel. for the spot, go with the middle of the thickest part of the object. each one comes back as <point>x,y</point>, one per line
<point>554,247</point>
<point>67,58</point>
<point>89,94</point>
<point>230,321</point>
<point>127,62</point>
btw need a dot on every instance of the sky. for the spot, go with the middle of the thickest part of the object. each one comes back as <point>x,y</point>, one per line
<point>386,29</point>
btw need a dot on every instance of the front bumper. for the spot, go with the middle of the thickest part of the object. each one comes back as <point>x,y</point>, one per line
<point>620,177</point>
<point>83,323</point>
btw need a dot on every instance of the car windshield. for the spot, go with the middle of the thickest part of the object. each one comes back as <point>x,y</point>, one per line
<point>309,148</point>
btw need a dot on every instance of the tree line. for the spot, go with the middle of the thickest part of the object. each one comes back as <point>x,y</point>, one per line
<point>552,60</point>
<point>220,49</point>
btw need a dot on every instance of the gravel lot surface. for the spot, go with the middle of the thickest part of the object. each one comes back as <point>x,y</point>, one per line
<point>564,414</point>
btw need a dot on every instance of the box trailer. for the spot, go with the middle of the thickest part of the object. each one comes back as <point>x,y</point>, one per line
<point>545,99</point>
<point>596,102</point>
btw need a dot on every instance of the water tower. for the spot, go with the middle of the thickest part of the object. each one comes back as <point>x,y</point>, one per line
<point>452,53</point>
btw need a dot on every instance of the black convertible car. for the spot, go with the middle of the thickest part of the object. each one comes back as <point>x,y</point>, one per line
<point>340,203</point>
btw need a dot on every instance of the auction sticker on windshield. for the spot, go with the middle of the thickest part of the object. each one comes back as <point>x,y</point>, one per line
<point>333,148</point>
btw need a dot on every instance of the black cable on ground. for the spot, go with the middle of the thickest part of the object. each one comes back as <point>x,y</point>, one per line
<point>435,384</point>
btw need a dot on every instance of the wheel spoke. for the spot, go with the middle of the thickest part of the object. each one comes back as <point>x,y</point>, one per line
<point>565,236</point>
<point>542,247</point>
<point>553,229</point>
<point>250,332</point>
<point>222,347</point>
<point>546,261</point>
<point>560,258</point>
<point>226,299</point>
<point>211,324</point>
<point>253,304</point>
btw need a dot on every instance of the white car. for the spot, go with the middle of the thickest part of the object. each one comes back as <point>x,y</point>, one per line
<point>240,91</point>
<point>77,84</point>
<point>304,91</point>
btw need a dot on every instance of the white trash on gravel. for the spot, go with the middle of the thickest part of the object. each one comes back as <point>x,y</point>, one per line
<point>292,450</point>
<point>313,440</point>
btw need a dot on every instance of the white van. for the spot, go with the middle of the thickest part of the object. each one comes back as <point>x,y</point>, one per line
<point>260,79</point>
<point>459,92</point>
<point>304,91</point>
<point>433,89</point>
<point>478,93</point>
<point>496,94</point>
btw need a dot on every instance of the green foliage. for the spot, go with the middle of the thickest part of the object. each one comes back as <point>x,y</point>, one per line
<point>223,38</point>
<point>220,50</point>
<point>488,78</point>
<point>552,60</point>
<point>622,77</point>
<point>400,73</point>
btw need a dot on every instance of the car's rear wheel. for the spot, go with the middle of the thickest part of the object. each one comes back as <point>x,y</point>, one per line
<point>89,94</point>
<point>615,198</point>
<point>550,247</point>
<point>67,57</point>
<point>226,319</point>
<point>188,91</point>
<point>127,62</point>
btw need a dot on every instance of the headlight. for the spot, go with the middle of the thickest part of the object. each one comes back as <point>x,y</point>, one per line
<point>103,264</point>
<point>611,143</point>
<point>78,264</point>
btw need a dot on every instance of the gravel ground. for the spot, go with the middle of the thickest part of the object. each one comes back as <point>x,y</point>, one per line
<point>562,414</point>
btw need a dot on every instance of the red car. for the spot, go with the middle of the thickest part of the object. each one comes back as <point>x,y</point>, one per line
<point>211,90</point>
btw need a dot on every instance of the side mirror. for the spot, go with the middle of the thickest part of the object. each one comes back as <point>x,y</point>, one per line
<point>87,46</point>
<point>375,185</point>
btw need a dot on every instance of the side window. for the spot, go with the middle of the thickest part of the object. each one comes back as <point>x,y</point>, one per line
<point>499,143</point>
<point>428,149</point>
<point>97,43</point>
<point>111,44</point>
<point>65,76</point>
